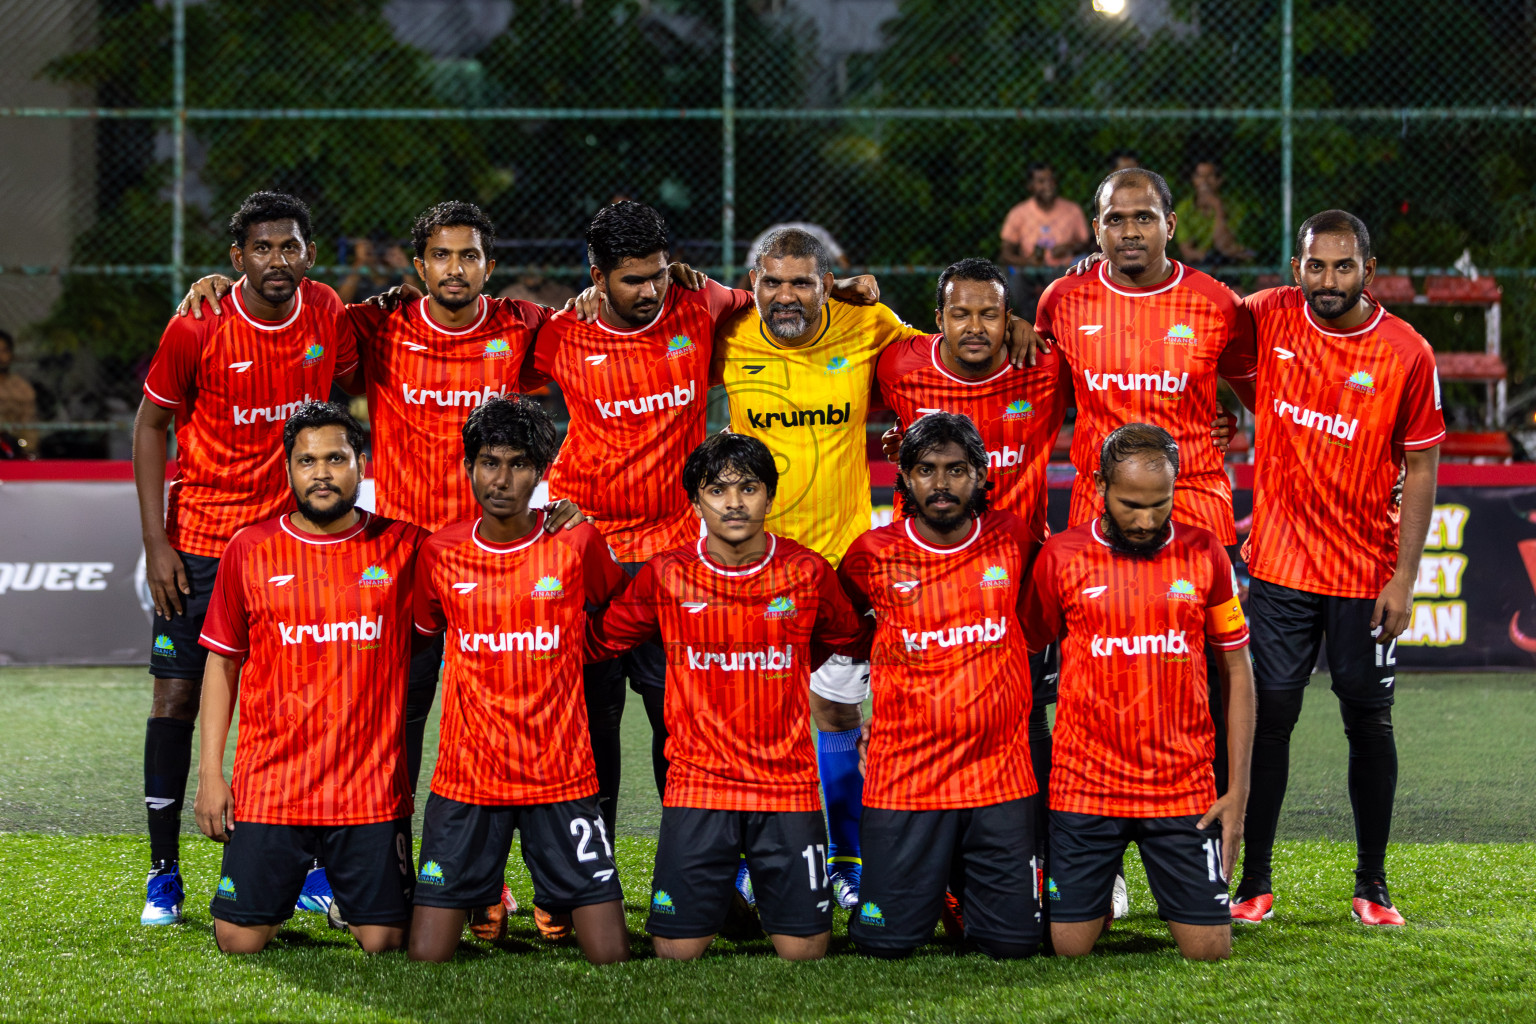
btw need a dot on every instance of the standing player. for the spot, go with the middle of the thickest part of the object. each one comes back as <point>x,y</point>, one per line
<point>309,626</point>
<point>1347,396</point>
<point>948,760</point>
<point>1145,338</point>
<point>425,363</point>
<point>738,610</point>
<point>1131,596</point>
<point>799,373</point>
<point>229,383</point>
<point>514,755</point>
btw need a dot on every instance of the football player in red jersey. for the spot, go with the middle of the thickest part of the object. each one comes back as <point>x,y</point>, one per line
<point>229,383</point>
<point>309,626</point>
<point>739,610</point>
<point>948,780</point>
<point>1348,397</point>
<point>513,752</point>
<point>1133,596</point>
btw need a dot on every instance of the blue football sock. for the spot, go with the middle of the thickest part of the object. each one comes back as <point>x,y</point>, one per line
<point>837,755</point>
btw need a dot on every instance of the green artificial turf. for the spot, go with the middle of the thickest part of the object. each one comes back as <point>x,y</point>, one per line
<point>71,817</point>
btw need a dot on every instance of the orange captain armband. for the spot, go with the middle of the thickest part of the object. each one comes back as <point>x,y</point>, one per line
<point>1225,618</point>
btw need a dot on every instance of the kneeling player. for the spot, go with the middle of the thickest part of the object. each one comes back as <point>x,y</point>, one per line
<point>737,612</point>
<point>514,754</point>
<point>309,624</point>
<point>1133,597</point>
<point>948,776</point>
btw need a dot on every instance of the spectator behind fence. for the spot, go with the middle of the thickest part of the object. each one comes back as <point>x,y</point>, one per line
<point>1208,223</point>
<point>1124,159</point>
<point>18,404</point>
<point>1043,230</point>
<point>376,268</point>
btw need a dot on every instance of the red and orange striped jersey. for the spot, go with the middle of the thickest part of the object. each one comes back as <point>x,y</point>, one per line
<point>233,381</point>
<point>1133,735</point>
<point>1334,414</point>
<point>948,667</point>
<point>514,725</point>
<point>1151,355</point>
<point>1018,411</point>
<point>738,642</point>
<point>636,399</point>
<point>324,623</point>
<point>423,382</point>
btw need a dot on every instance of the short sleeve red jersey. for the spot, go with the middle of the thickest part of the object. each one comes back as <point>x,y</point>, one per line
<point>1151,355</point>
<point>423,382</point>
<point>738,642</point>
<point>949,670</point>
<point>636,399</point>
<point>325,625</point>
<point>233,381</point>
<point>514,725</point>
<point>1018,411</point>
<point>1335,412</point>
<point>1133,735</point>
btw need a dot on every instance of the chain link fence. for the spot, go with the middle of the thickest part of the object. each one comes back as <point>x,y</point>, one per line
<point>132,128</point>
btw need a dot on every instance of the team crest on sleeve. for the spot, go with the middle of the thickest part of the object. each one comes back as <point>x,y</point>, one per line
<point>994,576</point>
<point>375,576</point>
<point>548,587</point>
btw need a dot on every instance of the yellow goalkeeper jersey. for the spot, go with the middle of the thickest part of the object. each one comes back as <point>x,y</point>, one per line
<point>809,405</point>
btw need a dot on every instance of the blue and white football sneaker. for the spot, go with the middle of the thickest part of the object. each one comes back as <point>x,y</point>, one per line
<point>165,895</point>
<point>744,885</point>
<point>845,884</point>
<point>315,897</point>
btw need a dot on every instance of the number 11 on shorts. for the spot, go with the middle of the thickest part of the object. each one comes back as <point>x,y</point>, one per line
<point>816,854</point>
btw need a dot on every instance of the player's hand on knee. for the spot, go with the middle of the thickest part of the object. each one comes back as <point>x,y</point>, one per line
<point>208,289</point>
<point>890,442</point>
<point>562,515</point>
<point>686,276</point>
<point>167,578</point>
<point>859,290</point>
<point>1023,342</point>
<point>399,295</point>
<point>1229,809</point>
<point>214,808</point>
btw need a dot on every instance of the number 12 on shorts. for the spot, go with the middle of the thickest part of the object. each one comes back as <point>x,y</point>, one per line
<point>815,854</point>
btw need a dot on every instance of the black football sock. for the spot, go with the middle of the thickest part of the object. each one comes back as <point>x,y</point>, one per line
<point>655,698</point>
<point>1277,714</point>
<point>1372,784</point>
<point>420,692</point>
<point>605,693</point>
<point>167,762</point>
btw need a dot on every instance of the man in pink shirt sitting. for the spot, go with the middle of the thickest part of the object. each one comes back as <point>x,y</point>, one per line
<point>1043,230</point>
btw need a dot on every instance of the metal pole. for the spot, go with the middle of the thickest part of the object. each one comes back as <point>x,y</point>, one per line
<point>179,130</point>
<point>1287,142</point>
<point>728,143</point>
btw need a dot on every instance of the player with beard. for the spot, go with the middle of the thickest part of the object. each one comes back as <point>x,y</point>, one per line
<point>739,610</point>
<point>1347,397</point>
<point>229,382</point>
<point>512,599</point>
<point>1132,596</point>
<point>1146,338</point>
<point>948,765</point>
<point>309,628</point>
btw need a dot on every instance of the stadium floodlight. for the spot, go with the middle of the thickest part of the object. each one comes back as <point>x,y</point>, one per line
<point>1111,8</point>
